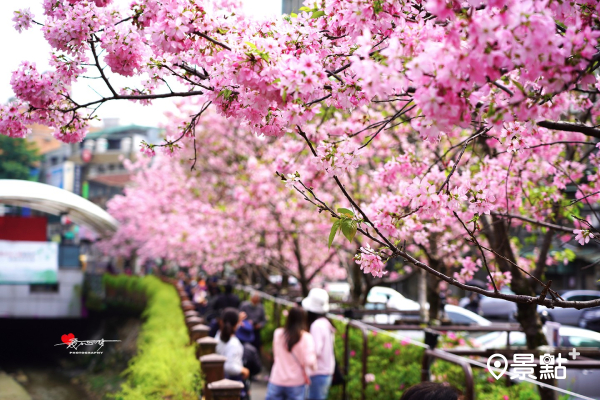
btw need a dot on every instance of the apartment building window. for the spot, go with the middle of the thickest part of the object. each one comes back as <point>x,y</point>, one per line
<point>44,288</point>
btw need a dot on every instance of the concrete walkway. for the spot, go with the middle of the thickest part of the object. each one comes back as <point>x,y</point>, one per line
<point>11,390</point>
<point>258,390</point>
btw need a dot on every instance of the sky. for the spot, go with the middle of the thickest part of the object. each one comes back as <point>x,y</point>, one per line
<point>31,46</point>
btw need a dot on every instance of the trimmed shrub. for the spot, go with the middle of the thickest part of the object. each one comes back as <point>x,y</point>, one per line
<point>165,366</point>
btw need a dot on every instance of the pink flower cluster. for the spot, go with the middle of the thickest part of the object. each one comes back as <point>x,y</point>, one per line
<point>370,262</point>
<point>23,19</point>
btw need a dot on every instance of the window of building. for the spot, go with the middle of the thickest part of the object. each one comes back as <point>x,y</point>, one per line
<point>44,288</point>
<point>114,144</point>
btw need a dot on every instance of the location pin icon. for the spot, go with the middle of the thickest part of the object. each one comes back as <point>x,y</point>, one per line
<point>500,363</point>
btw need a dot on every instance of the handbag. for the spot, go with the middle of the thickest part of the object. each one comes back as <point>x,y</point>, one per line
<point>338,378</point>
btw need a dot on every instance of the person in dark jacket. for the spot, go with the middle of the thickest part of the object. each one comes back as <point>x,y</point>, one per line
<point>227,299</point>
<point>256,314</point>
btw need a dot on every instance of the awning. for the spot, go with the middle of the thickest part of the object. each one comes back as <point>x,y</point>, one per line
<point>53,200</point>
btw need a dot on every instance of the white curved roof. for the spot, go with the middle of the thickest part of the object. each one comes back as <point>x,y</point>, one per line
<point>53,200</point>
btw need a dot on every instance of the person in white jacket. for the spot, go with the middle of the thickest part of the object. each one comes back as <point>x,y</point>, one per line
<point>230,346</point>
<point>323,333</point>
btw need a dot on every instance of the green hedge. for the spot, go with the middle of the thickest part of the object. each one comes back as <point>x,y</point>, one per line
<point>396,366</point>
<point>165,366</point>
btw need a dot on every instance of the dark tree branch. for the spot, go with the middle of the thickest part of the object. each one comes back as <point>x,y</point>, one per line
<point>223,45</point>
<point>570,127</point>
<point>533,221</point>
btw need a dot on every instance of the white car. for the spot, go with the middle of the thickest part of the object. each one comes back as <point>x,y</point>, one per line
<point>338,290</point>
<point>392,299</point>
<point>457,315</point>
<point>570,336</point>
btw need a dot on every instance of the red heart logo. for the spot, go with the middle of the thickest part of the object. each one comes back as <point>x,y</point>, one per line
<point>67,338</point>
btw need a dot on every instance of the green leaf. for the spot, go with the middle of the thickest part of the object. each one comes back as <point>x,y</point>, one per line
<point>345,211</point>
<point>284,95</point>
<point>349,229</point>
<point>317,14</point>
<point>251,45</point>
<point>334,228</point>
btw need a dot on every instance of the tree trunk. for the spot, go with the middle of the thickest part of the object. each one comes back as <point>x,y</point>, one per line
<point>423,296</point>
<point>357,295</point>
<point>527,314</point>
<point>433,297</point>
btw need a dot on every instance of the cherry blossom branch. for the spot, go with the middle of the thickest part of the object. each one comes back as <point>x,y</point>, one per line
<point>570,127</point>
<point>223,45</point>
<point>517,266</point>
<point>535,222</point>
<point>583,198</point>
<point>131,97</point>
<point>551,144</point>
<point>97,63</point>
<point>524,299</point>
<point>501,87</point>
<point>476,242</point>
<point>402,111</point>
<point>466,142</point>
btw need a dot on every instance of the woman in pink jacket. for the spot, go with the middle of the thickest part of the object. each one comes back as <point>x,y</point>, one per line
<point>323,333</point>
<point>294,356</point>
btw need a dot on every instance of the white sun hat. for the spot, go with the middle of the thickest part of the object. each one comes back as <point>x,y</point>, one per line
<point>317,301</point>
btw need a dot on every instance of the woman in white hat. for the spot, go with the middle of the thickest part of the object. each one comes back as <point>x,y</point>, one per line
<point>322,331</point>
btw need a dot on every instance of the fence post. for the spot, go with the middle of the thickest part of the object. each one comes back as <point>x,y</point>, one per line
<point>212,369</point>
<point>187,305</point>
<point>429,355</point>
<point>226,389</point>
<point>206,345</point>
<point>276,314</point>
<point>198,332</point>
<point>365,335</point>
<point>191,313</point>
<point>191,321</point>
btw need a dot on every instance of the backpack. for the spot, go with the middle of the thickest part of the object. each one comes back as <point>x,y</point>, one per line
<point>251,359</point>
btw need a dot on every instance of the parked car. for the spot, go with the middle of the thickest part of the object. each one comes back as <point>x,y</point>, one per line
<point>338,290</point>
<point>456,315</point>
<point>492,308</point>
<point>500,309</point>
<point>570,336</point>
<point>581,381</point>
<point>569,316</point>
<point>393,299</point>
<point>590,319</point>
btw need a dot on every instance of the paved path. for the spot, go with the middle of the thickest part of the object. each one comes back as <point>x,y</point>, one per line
<point>11,390</point>
<point>258,390</point>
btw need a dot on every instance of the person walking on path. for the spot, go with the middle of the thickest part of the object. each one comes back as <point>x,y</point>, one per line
<point>323,333</point>
<point>256,314</point>
<point>294,354</point>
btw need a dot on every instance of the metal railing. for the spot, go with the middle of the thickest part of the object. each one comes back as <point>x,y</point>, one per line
<point>430,354</point>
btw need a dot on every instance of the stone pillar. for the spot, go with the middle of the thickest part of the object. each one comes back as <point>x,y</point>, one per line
<point>226,389</point>
<point>212,369</point>
<point>191,313</point>
<point>191,321</point>
<point>187,305</point>
<point>198,332</point>
<point>205,346</point>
